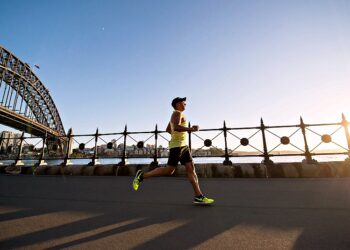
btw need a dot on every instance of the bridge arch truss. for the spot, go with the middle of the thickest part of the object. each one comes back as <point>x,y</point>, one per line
<point>25,102</point>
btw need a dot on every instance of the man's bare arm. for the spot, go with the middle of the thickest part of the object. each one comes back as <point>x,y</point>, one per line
<point>175,120</point>
<point>168,128</point>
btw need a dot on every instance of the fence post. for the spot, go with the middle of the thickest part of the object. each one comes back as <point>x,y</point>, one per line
<point>123,161</point>
<point>346,129</point>
<point>155,158</point>
<point>189,138</point>
<point>19,161</point>
<point>42,155</point>
<point>266,154</point>
<point>69,143</point>
<point>308,158</point>
<point>227,159</point>
<point>93,159</point>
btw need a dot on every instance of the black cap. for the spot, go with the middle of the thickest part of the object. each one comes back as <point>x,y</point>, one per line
<point>176,100</point>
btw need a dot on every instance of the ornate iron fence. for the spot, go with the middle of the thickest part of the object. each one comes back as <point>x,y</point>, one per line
<point>260,141</point>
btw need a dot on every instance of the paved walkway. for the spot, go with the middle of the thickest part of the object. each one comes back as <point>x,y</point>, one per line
<point>105,213</point>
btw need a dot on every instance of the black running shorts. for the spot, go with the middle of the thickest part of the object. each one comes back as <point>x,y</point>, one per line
<point>181,154</point>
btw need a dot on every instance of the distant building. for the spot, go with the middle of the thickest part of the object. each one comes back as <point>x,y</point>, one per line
<point>9,140</point>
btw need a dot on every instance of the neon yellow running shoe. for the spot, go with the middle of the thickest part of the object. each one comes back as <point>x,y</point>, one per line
<point>137,180</point>
<point>203,200</point>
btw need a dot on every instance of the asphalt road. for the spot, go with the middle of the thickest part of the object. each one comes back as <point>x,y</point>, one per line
<point>105,213</point>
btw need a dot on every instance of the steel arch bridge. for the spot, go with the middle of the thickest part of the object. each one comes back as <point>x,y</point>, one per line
<point>25,103</point>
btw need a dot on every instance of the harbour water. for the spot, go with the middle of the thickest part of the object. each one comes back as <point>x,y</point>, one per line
<point>198,160</point>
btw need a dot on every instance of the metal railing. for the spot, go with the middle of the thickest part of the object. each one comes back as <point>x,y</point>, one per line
<point>262,140</point>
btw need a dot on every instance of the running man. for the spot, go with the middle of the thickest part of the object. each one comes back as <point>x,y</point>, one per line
<point>179,151</point>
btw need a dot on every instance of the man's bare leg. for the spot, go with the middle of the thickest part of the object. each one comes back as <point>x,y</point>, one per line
<point>160,171</point>
<point>192,177</point>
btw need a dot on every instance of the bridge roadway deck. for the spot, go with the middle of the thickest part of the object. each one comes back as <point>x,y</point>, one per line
<point>105,213</point>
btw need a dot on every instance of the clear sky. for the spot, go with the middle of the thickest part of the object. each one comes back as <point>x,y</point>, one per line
<point>111,63</point>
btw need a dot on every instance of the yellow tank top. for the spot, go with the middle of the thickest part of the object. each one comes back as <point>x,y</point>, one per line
<point>178,139</point>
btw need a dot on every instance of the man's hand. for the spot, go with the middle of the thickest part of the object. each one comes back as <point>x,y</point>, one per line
<point>194,128</point>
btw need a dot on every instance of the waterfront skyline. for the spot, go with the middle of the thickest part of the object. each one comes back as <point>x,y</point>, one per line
<point>110,63</point>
